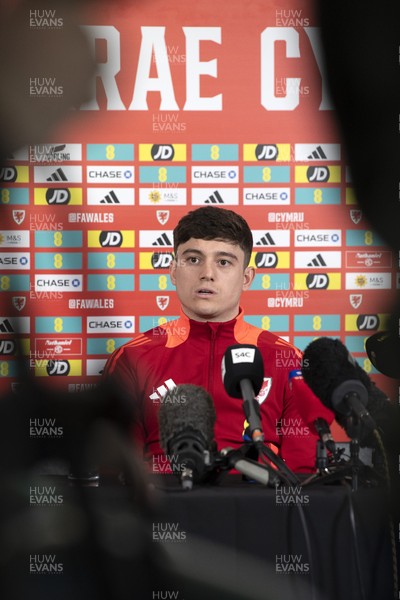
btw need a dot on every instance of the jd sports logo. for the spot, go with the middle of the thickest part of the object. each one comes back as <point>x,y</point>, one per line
<point>110,238</point>
<point>58,175</point>
<point>319,174</point>
<point>215,198</point>
<point>8,174</point>
<point>161,260</point>
<point>58,196</point>
<point>58,368</point>
<point>367,322</point>
<point>266,152</point>
<point>163,240</point>
<point>6,327</point>
<point>162,152</point>
<point>7,347</point>
<point>317,154</point>
<point>110,198</point>
<point>318,261</point>
<point>317,282</point>
<point>266,240</point>
<point>266,259</point>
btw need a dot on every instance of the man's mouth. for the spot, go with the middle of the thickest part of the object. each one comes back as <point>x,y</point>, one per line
<point>204,292</point>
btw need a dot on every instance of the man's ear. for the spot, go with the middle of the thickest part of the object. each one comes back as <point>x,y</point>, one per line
<point>172,269</point>
<point>249,274</point>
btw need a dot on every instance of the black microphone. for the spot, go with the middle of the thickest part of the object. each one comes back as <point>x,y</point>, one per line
<point>186,423</point>
<point>243,376</point>
<point>263,474</point>
<point>338,381</point>
<point>383,349</point>
<point>325,435</point>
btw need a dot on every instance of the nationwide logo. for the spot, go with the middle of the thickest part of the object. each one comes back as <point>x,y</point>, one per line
<point>355,300</point>
<point>18,216</point>
<point>317,154</point>
<point>317,281</point>
<point>266,152</point>
<point>161,260</point>
<point>8,174</point>
<point>57,196</point>
<point>8,347</point>
<point>57,175</point>
<point>319,174</point>
<point>318,261</point>
<point>19,302</point>
<point>45,153</point>
<point>162,302</point>
<point>376,260</point>
<point>162,216</point>
<point>367,322</point>
<point>58,368</point>
<point>112,239</point>
<point>162,152</point>
<point>267,260</point>
<point>356,216</point>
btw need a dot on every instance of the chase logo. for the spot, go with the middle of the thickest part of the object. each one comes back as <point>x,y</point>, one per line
<point>162,152</point>
<point>58,196</point>
<point>112,239</point>
<point>57,368</point>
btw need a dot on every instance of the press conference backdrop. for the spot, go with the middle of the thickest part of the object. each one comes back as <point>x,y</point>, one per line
<point>194,104</point>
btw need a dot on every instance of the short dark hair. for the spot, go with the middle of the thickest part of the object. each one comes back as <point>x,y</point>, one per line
<point>213,223</point>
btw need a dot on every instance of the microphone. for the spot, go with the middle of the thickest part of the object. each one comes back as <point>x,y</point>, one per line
<point>186,423</point>
<point>250,468</point>
<point>243,376</point>
<point>383,349</point>
<point>338,381</point>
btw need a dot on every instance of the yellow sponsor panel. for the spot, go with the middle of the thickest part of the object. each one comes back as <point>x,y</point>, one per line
<point>350,196</point>
<point>311,174</point>
<point>111,239</point>
<point>249,152</point>
<point>367,322</point>
<point>283,260</point>
<point>22,175</point>
<point>58,196</point>
<point>145,260</point>
<point>163,151</point>
<point>64,368</point>
<point>25,346</point>
<point>317,281</point>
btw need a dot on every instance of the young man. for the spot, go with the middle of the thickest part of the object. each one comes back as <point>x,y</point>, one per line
<point>210,271</point>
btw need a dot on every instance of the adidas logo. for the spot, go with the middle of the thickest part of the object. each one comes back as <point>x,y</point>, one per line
<point>266,240</point>
<point>163,240</point>
<point>318,261</point>
<point>215,198</point>
<point>58,175</point>
<point>160,392</point>
<point>110,198</point>
<point>6,327</point>
<point>317,154</point>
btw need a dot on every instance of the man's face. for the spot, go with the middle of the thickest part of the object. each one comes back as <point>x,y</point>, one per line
<point>209,276</point>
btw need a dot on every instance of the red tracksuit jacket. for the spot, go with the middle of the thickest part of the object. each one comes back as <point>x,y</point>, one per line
<point>187,351</point>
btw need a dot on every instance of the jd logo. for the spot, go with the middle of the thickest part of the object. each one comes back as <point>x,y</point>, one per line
<point>57,367</point>
<point>162,152</point>
<point>266,152</point>
<point>318,174</point>
<point>266,259</point>
<point>318,281</point>
<point>8,174</point>
<point>367,322</point>
<point>110,238</point>
<point>58,196</point>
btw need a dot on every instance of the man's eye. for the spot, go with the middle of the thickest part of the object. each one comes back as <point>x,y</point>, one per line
<point>193,260</point>
<point>224,262</point>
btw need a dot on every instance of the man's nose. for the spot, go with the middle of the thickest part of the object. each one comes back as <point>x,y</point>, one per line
<point>207,270</point>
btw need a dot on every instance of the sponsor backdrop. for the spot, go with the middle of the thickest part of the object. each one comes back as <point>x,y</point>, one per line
<point>193,104</point>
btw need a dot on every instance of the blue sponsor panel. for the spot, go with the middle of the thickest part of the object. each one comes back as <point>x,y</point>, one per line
<point>308,195</point>
<point>215,152</point>
<point>317,323</point>
<point>9,368</point>
<point>105,345</point>
<point>355,237</point>
<point>266,174</point>
<point>367,365</point>
<point>12,196</point>
<point>162,174</point>
<point>302,341</point>
<point>58,239</point>
<point>155,283</point>
<point>275,281</point>
<point>111,283</point>
<point>146,323</point>
<point>58,261</point>
<point>269,322</point>
<point>355,343</point>
<point>14,283</point>
<point>110,152</point>
<point>59,325</point>
<point>111,260</point>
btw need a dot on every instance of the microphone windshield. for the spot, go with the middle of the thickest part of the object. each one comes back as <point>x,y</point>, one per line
<point>383,349</point>
<point>242,361</point>
<point>327,364</point>
<point>186,407</point>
